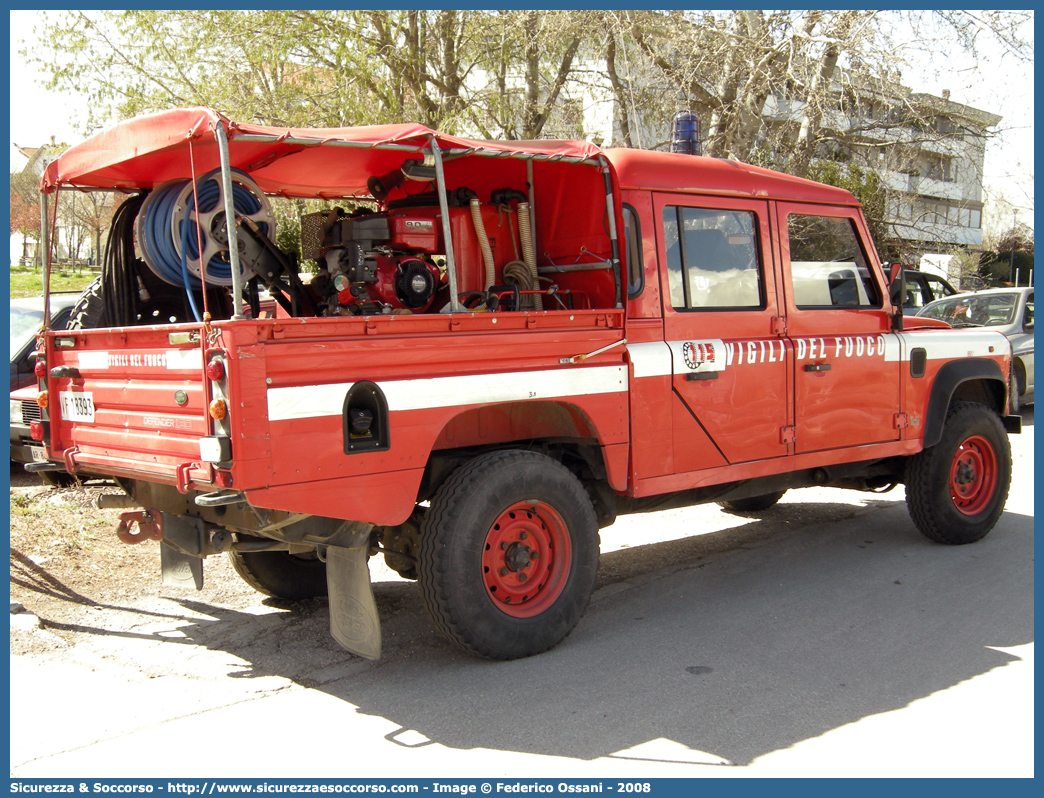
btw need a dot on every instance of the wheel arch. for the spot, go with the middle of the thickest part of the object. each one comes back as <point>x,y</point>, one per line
<point>973,380</point>
<point>563,430</point>
<point>513,421</point>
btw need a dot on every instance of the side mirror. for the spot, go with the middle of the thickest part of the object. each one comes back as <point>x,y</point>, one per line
<point>896,283</point>
<point>897,293</point>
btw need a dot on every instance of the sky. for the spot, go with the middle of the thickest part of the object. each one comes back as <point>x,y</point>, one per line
<point>999,85</point>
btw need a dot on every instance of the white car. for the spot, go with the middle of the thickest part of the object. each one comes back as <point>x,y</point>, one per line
<point>1009,310</point>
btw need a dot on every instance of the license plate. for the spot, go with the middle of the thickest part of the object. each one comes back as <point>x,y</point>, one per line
<point>38,454</point>
<point>77,406</point>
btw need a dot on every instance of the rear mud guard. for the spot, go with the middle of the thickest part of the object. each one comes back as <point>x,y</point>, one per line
<point>354,623</point>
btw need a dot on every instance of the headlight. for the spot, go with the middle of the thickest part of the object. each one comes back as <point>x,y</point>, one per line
<point>16,411</point>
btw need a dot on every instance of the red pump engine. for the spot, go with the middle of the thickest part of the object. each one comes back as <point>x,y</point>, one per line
<point>381,262</point>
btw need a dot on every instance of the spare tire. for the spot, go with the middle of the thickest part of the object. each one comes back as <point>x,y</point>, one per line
<point>89,310</point>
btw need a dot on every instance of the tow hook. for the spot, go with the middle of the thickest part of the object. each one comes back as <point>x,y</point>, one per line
<point>150,527</point>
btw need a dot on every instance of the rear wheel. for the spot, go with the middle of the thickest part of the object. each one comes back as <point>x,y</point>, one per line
<point>955,490</point>
<point>281,574</point>
<point>508,554</point>
<point>753,504</point>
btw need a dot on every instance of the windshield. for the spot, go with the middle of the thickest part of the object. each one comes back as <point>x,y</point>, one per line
<point>25,324</point>
<point>985,310</point>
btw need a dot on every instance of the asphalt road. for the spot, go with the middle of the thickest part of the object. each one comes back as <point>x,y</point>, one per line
<point>823,638</point>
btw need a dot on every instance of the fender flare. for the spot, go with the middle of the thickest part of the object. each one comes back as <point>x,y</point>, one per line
<point>950,376</point>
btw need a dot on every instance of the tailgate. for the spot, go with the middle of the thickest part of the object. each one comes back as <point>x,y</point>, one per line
<point>130,401</point>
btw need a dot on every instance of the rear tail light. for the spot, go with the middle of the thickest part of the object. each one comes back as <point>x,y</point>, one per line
<point>218,409</point>
<point>215,370</point>
<point>40,369</point>
<point>36,430</point>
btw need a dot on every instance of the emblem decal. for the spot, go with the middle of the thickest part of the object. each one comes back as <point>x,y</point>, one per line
<point>696,354</point>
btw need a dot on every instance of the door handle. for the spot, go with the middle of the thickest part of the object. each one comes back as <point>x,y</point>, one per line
<point>817,367</point>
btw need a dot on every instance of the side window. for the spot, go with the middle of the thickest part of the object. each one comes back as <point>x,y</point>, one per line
<point>713,262</point>
<point>828,265</point>
<point>1027,314</point>
<point>633,242</point>
<point>939,288</point>
<point>916,297</point>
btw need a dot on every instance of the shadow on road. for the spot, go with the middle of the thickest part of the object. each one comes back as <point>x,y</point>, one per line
<point>735,643</point>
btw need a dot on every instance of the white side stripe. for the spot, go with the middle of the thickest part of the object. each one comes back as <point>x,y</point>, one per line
<point>92,360</point>
<point>955,344</point>
<point>184,359</point>
<point>171,359</point>
<point>651,359</point>
<point>312,401</point>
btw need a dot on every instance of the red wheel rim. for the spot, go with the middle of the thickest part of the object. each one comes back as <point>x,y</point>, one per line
<point>525,559</point>
<point>973,475</point>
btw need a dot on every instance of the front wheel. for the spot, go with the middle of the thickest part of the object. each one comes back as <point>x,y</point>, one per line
<point>508,554</point>
<point>955,490</point>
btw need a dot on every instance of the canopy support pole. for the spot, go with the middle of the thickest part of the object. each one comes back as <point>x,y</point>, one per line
<point>230,225</point>
<point>43,252</point>
<point>614,241</point>
<point>451,266</point>
<point>532,207</point>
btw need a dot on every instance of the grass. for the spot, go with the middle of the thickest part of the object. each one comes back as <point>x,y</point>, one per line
<point>28,281</point>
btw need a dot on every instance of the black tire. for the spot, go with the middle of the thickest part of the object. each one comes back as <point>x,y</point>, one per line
<point>753,504</point>
<point>89,310</point>
<point>281,574</point>
<point>955,490</point>
<point>498,518</point>
<point>1013,392</point>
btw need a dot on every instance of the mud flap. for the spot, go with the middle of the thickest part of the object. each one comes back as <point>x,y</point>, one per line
<point>353,612</point>
<point>181,552</point>
<point>179,569</point>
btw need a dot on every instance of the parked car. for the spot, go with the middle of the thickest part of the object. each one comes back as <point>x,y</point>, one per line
<point>922,288</point>
<point>1009,310</point>
<point>24,410</point>
<point>26,320</point>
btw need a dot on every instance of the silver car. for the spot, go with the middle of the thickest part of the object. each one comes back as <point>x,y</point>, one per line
<point>1009,310</point>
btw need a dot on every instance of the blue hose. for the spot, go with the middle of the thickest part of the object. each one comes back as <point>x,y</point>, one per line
<point>158,248</point>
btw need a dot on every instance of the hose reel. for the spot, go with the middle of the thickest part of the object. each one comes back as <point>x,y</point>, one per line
<point>165,230</point>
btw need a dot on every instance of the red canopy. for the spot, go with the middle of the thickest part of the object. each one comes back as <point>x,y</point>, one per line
<point>148,150</point>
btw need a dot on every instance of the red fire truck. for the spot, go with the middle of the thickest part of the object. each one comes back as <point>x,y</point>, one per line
<point>507,344</point>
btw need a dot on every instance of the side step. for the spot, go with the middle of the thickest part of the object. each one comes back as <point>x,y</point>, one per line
<point>36,468</point>
<point>220,498</point>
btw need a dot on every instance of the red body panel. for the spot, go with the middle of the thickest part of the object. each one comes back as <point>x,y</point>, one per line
<point>699,395</point>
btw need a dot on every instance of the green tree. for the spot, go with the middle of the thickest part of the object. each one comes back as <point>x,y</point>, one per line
<point>25,208</point>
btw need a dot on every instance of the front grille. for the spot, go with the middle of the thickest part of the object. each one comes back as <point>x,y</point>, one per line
<point>30,412</point>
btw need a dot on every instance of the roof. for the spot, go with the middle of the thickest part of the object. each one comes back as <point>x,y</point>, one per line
<point>149,150</point>
<point>667,171</point>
